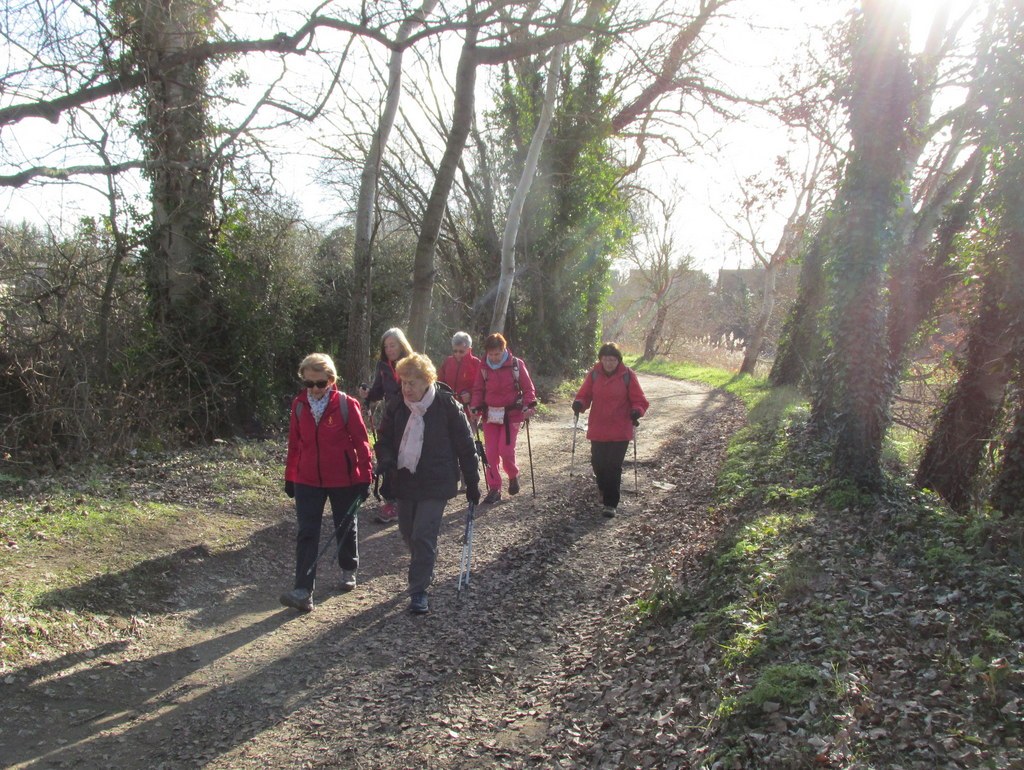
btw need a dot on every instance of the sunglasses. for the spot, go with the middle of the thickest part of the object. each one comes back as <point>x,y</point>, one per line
<point>317,384</point>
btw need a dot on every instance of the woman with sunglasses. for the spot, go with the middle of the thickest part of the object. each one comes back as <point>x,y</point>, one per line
<point>393,348</point>
<point>328,459</point>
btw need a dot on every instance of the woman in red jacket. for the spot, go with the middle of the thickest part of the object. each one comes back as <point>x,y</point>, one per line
<point>505,397</point>
<point>459,370</point>
<point>619,403</point>
<point>328,459</point>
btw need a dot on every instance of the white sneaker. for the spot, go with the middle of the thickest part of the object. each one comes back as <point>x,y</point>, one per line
<point>348,579</point>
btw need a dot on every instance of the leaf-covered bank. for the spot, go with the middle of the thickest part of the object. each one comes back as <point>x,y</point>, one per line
<point>832,629</point>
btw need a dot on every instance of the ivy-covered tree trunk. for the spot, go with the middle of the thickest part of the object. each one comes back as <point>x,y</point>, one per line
<point>800,341</point>
<point>182,264</point>
<point>969,420</point>
<point>854,391</point>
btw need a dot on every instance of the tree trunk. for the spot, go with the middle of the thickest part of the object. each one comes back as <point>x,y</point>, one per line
<point>800,339</point>
<point>756,340</point>
<point>515,209</point>
<point>423,262</point>
<point>856,387</point>
<point>654,334</point>
<point>355,367</point>
<point>968,420</point>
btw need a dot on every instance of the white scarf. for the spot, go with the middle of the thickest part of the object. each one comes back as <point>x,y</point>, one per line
<point>412,440</point>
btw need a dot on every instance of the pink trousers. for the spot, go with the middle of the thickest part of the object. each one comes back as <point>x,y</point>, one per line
<point>496,447</point>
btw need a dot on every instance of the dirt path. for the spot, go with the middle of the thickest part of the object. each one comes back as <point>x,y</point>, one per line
<point>508,675</point>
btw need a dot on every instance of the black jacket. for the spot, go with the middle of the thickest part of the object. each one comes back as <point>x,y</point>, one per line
<point>385,384</point>
<point>447,447</point>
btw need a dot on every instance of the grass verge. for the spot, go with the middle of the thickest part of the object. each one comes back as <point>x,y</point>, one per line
<point>86,556</point>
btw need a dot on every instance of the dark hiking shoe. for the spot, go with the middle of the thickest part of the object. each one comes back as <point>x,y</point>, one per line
<point>298,598</point>
<point>608,511</point>
<point>513,486</point>
<point>418,603</point>
<point>492,497</point>
<point>348,580</point>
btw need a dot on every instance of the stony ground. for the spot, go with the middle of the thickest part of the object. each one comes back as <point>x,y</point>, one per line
<point>515,672</point>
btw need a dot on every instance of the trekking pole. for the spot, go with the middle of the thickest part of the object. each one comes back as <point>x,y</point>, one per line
<point>636,482</point>
<point>467,549</point>
<point>529,450</point>
<point>350,516</point>
<point>572,462</point>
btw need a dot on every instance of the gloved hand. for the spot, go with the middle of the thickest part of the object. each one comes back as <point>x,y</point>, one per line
<point>634,415</point>
<point>362,492</point>
<point>577,407</point>
<point>473,493</point>
<point>289,488</point>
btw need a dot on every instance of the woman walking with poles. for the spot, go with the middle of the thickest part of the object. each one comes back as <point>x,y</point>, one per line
<point>504,397</point>
<point>328,459</point>
<point>423,444</point>
<point>618,402</point>
<point>459,370</point>
<point>393,348</point>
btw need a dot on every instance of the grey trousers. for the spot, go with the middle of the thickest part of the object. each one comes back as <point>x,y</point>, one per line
<point>419,521</point>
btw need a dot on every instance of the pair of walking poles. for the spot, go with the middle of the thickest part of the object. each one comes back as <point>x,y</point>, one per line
<point>572,461</point>
<point>466,562</point>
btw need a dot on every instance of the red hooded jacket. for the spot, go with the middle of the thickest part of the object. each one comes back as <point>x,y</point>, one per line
<point>333,453</point>
<point>460,376</point>
<point>612,400</point>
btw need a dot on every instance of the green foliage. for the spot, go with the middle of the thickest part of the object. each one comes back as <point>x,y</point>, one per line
<point>791,685</point>
<point>576,218</point>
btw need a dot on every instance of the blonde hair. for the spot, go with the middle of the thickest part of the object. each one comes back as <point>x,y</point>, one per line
<point>318,362</point>
<point>416,366</point>
<point>399,336</point>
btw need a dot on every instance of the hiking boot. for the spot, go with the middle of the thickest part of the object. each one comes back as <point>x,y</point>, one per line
<point>348,579</point>
<point>418,603</point>
<point>493,496</point>
<point>387,514</point>
<point>298,598</point>
<point>513,485</point>
<point>608,511</point>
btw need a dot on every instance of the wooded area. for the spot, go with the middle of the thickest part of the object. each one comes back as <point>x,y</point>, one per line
<point>507,193</point>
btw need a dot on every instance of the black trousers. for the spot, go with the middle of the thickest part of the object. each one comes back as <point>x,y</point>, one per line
<point>309,510</point>
<point>606,458</point>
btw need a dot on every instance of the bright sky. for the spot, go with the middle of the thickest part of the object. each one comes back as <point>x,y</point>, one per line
<point>764,35</point>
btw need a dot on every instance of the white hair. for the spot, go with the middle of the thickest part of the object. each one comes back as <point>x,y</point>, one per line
<point>462,338</point>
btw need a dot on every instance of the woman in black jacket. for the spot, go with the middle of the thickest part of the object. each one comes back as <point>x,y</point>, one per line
<point>393,348</point>
<point>423,442</point>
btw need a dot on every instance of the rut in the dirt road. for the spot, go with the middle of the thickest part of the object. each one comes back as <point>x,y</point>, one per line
<point>491,678</point>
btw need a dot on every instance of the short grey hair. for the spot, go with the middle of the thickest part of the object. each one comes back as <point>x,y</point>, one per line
<point>462,338</point>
